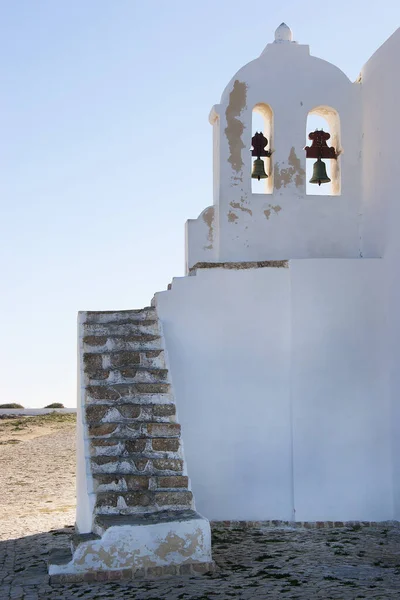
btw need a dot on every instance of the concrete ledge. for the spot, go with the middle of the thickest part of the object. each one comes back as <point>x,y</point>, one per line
<point>192,569</point>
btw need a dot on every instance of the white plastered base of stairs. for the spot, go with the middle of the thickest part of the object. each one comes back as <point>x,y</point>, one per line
<point>140,546</point>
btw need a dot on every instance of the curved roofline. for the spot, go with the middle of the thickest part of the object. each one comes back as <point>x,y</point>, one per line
<point>262,58</point>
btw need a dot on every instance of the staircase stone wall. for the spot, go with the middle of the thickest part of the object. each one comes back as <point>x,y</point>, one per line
<point>139,514</point>
<point>136,458</point>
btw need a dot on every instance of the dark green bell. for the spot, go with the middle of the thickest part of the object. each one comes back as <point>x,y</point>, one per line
<point>258,170</point>
<point>319,173</point>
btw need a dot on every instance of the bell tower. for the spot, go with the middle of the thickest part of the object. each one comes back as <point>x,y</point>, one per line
<point>284,85</point>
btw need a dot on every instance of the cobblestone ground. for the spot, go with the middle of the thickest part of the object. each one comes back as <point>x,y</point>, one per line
<point>255,563</point>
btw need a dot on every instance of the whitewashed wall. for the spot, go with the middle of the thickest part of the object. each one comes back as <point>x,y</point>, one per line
<point>381,209</point>
<point>341,410</point>
<point>227,337</point>
<point>247,349</point>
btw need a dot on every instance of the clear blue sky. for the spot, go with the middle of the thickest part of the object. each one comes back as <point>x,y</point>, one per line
<point>99,99</point>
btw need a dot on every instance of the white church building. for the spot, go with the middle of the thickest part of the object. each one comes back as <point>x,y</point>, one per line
<point>265,383</point>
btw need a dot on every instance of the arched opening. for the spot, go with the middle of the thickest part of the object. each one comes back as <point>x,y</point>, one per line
<point>263,121</point>
<point>326,118</point>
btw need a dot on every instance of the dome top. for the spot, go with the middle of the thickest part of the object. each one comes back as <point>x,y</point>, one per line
<point>283,34</point>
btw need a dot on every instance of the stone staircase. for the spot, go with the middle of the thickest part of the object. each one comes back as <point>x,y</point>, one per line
<point>134,460</point>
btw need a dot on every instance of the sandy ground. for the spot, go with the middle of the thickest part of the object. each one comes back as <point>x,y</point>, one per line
<point>37,470</point>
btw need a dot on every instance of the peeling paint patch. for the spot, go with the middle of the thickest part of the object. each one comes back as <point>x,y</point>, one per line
<point>208,218</point>
<point>184,545</point>
<point>234,127</point>
<point>241,207</point>
<point>270,208</point>
<point>293,173</point>
<point>232,217</point>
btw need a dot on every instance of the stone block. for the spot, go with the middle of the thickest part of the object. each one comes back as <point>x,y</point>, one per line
<point>100,375</point>
<point>95,340</point>
<point>137,482</point>
<point>133,446</point>
<point>95,412</point>
<point>104,442</point>
<point>92,363</point>
<point>181,498</point>
<point>107,499</point>
<point>165,444</point>
<point>168,464</point>
<point>128,372</point>
<point>102,430</point>
<point>102,392</point>
<point>173,481</point>
<point>123,359</point>
<point>139,498</point>
<point>130,411</point>
<point>154,353</point>
<point>164,410</point>
<point>163,429</point>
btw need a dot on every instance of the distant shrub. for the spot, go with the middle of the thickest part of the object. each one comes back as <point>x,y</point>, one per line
<point>11,405</point>
<point>55,405</point>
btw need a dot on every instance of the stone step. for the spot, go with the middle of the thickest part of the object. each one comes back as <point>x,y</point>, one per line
<point>122,431</point>
<point>143,314</point>
<point>103,522</point>
<point>109,343</point>
<point>118,447</point>
<point>136,399</point>
<point>124,359</point>
<point>112,377</point>
<point>136,465</point>
<point>126,327</point>
<point>143,500</point>
<point>136,430</point>
<point>120,391</point>
<point>97,369</point>
<point>120,359</point>
<point>125,413</point>
<point>121,482</point>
